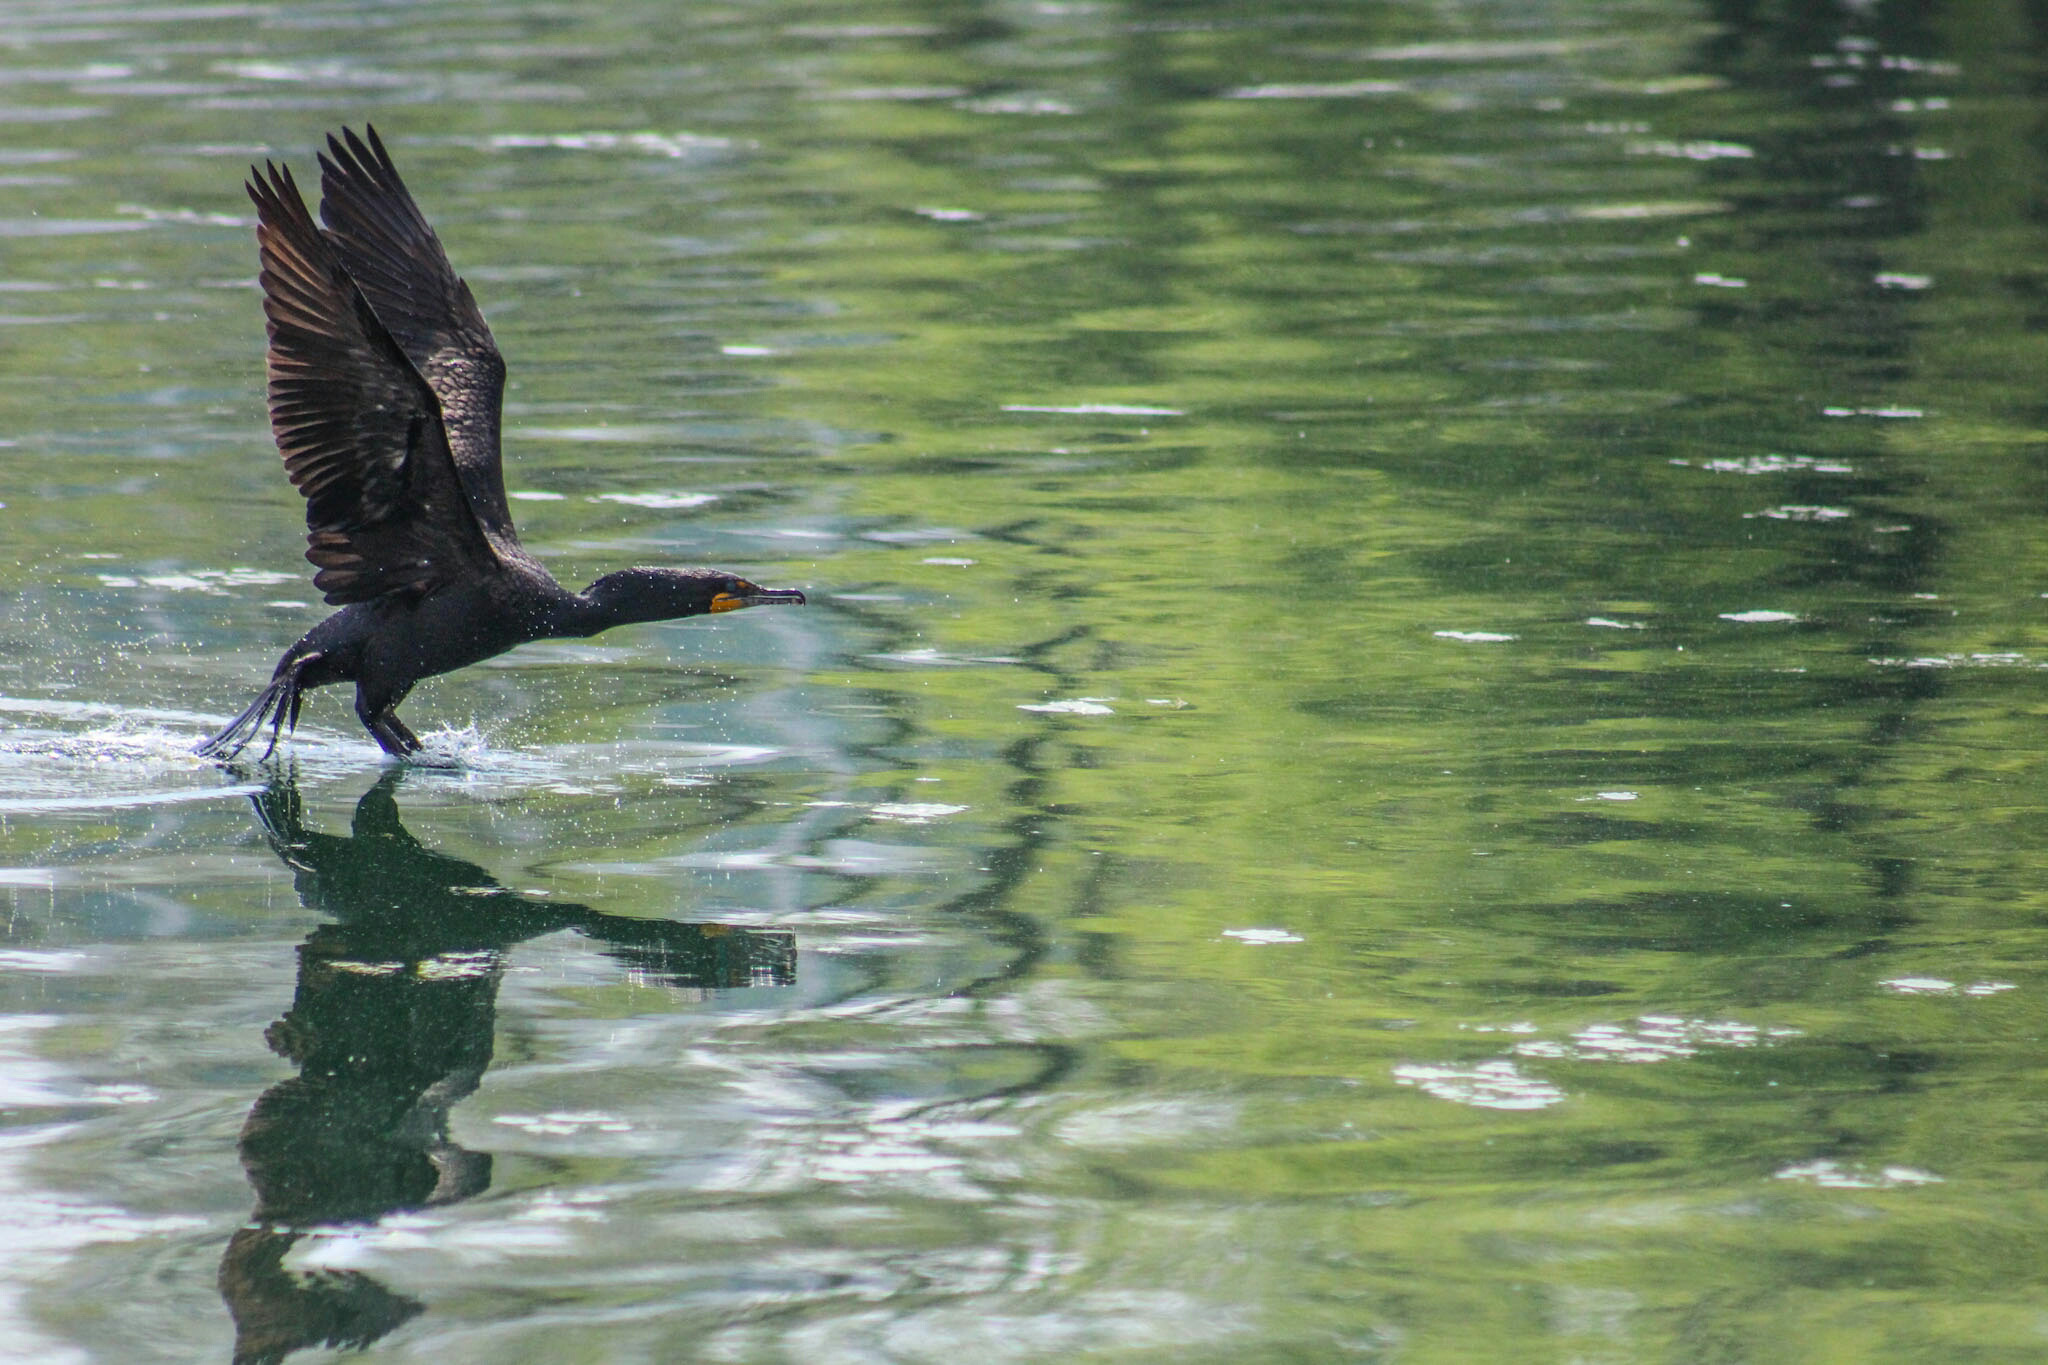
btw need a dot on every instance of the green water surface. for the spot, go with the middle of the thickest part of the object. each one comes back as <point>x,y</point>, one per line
<point>1418,738</point>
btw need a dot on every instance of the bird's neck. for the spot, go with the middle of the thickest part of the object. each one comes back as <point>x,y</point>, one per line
<point>630,597</point>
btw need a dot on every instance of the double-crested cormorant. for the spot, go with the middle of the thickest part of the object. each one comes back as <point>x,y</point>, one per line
<point>385,389</point>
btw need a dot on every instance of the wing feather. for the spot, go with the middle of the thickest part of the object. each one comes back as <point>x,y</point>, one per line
<point>394,256</point>
<point>360,430</point>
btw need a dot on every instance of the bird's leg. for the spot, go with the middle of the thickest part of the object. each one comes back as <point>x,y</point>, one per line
<point>385,727</point>
<point>398,727</point>
<point>285,719</point>
<point>394,737</point>
<point>287,705</point>
<point>289,697</point>
<point>276,726</point>
<point>236,734</point>
<point>278,704</point>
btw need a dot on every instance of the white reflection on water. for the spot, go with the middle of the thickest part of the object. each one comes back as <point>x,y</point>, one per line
<point>1163,1324</point>
<point>200,580</point>
<point>66,227</point>
<point>558,1123</point>
<point>1096,409</point>
<point>1800,512</point>
<point>671,145</point>
<point>28,1081</point>
<point>1324,90</point>
<point>1770,464</point>
<point>1162,1122</point>
<point>914,812</point>
<point>1073,706</point>
<point>536,1229</point>
<point>1654,1038</point>
<point>1934,985</point>
<point>1036,106</point>
<point>2001,659</point>
<point>624,433</point>
<point>32,805</point>
<point>1496,1084</point>
<point>658,501</point>
<point>1834,1175</point>
<point>42,1230</point>
<point>1499,1084</point>
<point>27,960</point>
<point>935,658</point>
<point>1691,151</point>
<point>802,1138</point>
<point>1261,937</point>
<point>188,217</point>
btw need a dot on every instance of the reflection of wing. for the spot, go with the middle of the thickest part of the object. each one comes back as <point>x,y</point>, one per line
<point>359,430</point>
<point>390,252</point>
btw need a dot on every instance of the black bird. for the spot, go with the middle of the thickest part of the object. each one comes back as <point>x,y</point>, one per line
<point>385,389</point>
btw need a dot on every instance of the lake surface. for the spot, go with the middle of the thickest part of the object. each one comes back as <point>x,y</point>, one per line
<point>1418,738</point>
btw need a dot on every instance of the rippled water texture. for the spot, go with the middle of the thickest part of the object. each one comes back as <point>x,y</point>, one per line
<point>1417,738</point>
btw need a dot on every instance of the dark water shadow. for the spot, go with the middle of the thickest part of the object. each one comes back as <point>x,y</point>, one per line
<point>391,1025</point>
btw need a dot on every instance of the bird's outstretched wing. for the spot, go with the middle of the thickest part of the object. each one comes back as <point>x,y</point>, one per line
<point>391,253</point>
<point>359,428</point>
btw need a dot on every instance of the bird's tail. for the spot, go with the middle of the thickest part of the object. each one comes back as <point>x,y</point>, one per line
<point>278,703</point>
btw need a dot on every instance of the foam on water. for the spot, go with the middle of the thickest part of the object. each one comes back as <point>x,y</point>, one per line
<point>108,757</point>
<point>61,755</point>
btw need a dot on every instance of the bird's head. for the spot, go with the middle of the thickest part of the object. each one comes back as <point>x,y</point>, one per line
<point>665,594</point>
<point>734,592</point>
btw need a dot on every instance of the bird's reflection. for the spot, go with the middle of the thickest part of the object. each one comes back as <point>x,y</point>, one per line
<point>390,1026</point>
